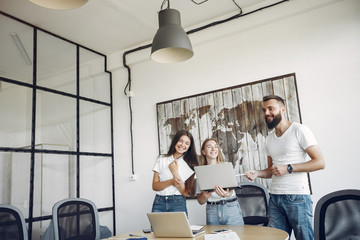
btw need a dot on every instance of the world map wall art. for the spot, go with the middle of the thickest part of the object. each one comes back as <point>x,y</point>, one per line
<point>231,115</point>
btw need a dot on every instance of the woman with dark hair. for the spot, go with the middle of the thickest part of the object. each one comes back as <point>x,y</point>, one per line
<point>222,206</point>
<point>173,178</point>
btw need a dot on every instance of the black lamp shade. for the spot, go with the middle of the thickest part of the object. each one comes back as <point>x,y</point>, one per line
<point>171,43</point>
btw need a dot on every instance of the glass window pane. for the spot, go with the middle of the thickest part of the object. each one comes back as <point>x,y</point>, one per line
<point>55,120</point>
<point>56,63</point>
<point>16,50</point>
<point>95,130</point>
<point>38,229</point>
<point>53,171</point>
<point>56,123</point>
<point>106,221</point>
<point>95,185</point>
<point>94,81</point>
<point>15,121</point>
<point>15,180</point>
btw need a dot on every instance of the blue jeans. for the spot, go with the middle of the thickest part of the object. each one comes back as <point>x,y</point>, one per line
<point>292,212</point>
<point>172,203</point>
<point>224,214</point>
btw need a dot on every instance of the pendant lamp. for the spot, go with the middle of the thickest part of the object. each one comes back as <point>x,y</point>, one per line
<point>59,4</point>
<point>171,43</point>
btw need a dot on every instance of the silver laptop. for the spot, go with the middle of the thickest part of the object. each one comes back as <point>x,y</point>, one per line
<point>209,176</point>
<point>172,224</point>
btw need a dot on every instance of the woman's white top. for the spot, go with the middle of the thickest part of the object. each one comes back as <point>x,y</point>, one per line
<point>162,167</point>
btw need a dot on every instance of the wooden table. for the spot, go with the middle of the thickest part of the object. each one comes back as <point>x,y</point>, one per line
<point>247,232</point>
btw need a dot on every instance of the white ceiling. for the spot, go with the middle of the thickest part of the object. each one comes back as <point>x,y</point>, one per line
<point>110,26</point>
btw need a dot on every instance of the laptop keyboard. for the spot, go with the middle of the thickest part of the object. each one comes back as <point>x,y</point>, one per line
<point>197,231</point>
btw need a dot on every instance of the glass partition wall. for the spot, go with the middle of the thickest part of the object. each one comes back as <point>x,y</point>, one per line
<point>56,138</point>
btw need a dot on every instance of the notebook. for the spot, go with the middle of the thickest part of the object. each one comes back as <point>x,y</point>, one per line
<point>209,176</point>
<point>172,224</point>
<point>184,171</point>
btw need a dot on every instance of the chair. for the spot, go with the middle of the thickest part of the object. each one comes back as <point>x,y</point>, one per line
<point>254,203</point>
<point>337,215</point>
<point>75,219</point>
<point>12,223</point>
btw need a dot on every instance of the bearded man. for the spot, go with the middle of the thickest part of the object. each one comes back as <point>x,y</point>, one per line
<point>287,148</point>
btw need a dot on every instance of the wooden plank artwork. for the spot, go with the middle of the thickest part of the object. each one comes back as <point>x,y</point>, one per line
<point>233,116</point>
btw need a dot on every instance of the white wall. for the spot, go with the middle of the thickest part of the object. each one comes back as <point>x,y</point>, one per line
<point>318,40</point>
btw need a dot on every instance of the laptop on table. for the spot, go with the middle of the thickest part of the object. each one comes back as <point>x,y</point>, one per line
<point>209,176</point>
<point>172,224</point>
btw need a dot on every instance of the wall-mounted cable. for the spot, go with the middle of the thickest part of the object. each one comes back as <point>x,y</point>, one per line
<point>127,89</point>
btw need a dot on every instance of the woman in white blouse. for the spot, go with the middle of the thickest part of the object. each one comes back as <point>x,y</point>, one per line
<point>173,178</point>
<point>222,205</point>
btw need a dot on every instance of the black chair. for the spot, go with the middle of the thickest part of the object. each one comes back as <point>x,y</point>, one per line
<point>75,219</point>
<point>254,203</point>
<point>337,216</point>
<point>12,223</point>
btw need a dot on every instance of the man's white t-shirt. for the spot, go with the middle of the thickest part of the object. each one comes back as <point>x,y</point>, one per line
<point>162,167</point>
<point>290,149</point>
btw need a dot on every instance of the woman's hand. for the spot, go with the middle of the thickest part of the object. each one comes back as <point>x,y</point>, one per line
<point>178,183</point>
<point>207,194</point>
<point>221,192</point>
<point>204,196</point>
<point>174,168</point>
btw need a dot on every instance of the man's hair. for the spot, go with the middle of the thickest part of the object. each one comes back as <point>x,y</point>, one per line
<point>279,99</point>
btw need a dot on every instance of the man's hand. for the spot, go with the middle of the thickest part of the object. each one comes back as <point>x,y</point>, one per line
<point>279,170</point>
<point>252,174</point>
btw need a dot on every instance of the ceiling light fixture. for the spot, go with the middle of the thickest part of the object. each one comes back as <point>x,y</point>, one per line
<point>21,48</point>
<point>171,43</point>
<point>59,4</point>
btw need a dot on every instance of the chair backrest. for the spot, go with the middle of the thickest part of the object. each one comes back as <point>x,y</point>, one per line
<point>337,215</point>
<point>75,218</point>
<point>12,223</point>
<point>254,203</point>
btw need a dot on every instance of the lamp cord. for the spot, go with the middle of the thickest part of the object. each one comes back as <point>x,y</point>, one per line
<point>128,84</point>
<point>163,3</point>
<point>197,3</point>
<point>234,17</point>
<point>237,6</point>
<point>204,1</point>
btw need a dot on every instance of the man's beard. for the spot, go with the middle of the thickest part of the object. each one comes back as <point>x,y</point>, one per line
<point>276,119</point>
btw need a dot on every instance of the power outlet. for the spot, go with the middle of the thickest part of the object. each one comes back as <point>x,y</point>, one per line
<point>133,177</point>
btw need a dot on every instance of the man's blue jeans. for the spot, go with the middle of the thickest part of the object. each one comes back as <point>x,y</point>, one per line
<point>172,203</point>
<point>292,212</point>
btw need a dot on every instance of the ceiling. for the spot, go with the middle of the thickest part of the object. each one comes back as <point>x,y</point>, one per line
<point>110,26</point>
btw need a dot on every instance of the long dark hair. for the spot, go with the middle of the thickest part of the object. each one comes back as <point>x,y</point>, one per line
<point>190,157</point>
